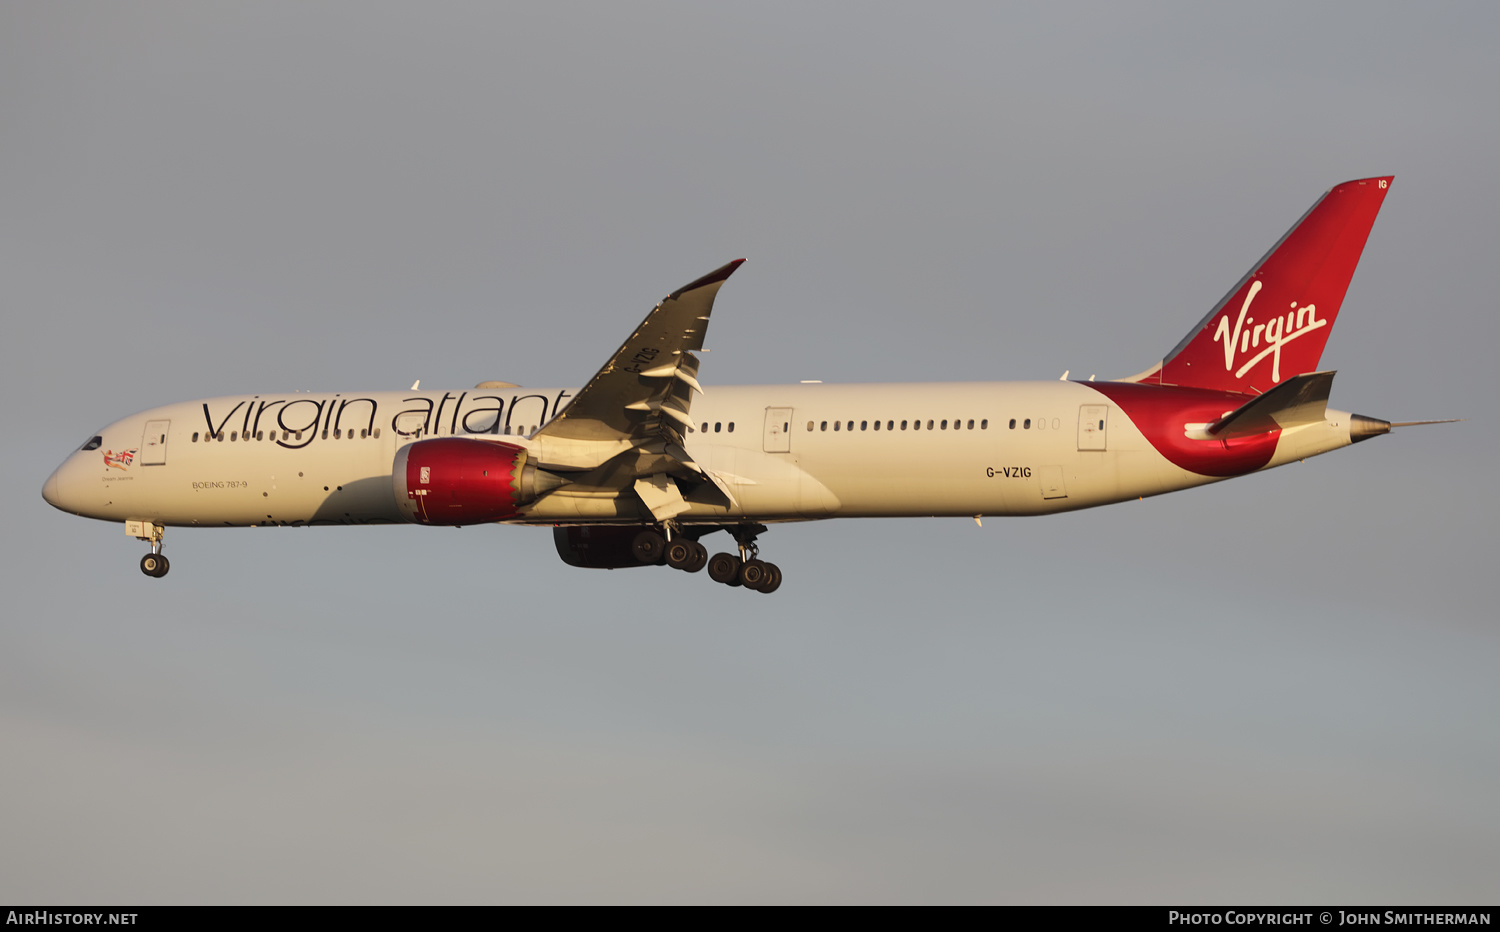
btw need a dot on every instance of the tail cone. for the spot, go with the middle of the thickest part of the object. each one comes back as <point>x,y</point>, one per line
<point>1363,428</point>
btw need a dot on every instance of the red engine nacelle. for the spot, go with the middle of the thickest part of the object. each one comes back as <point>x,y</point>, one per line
<point>454,481</point>
<point>597,546</point>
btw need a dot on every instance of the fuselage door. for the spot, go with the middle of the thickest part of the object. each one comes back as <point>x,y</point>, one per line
<point>1051,480</point>
<point>154,443</point>
<point>1092,420</point>
<point>778,436</point>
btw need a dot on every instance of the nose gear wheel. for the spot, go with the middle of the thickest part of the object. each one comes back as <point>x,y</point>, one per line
<point>155,563</point>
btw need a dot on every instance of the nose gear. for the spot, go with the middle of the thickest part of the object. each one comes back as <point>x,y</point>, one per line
<point>154,563</point>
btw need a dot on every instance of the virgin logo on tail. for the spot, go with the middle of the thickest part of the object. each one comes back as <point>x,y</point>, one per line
<point>1300,285</point>
<point>1278,332</point>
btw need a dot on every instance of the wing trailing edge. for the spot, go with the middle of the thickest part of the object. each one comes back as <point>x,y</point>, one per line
<point>644,392</point>
<point>626,429</point>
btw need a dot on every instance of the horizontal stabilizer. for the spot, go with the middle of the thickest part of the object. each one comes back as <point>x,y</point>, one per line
<point>1300,400</point>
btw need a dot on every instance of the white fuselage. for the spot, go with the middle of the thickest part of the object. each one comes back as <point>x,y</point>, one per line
<point>783,452</point>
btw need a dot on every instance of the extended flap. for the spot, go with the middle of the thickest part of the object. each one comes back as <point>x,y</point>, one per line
<point>661,496</point>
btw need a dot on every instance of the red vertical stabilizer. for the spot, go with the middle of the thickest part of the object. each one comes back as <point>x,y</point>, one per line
<point>1274,323</point>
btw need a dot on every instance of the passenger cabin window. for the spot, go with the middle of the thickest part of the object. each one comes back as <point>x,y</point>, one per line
<point>1026,425</point>
<point>971,423</point>
<point>718,426</point>
<point>195,436</point>
<point>903,425</point>
<point>985,424</point>
<point>731,427</point>
<point>837,424</point>
<point>809,425</point>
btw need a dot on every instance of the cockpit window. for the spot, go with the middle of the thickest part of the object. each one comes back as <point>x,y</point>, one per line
<point>94,443</point>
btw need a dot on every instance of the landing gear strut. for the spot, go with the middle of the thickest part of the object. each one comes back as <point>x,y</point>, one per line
<point>154,563</point>
<point>669,544</point>
<point>747,569</point>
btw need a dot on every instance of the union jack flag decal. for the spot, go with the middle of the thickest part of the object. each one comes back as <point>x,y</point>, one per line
<point>118,460</point>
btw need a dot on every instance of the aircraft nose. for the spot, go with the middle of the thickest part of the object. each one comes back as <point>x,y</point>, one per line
<point>62,491</point>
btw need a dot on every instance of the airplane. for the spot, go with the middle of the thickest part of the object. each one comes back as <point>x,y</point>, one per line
<point>638,465</point>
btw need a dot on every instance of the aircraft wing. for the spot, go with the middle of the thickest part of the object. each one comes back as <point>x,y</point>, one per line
<point>641,399</point>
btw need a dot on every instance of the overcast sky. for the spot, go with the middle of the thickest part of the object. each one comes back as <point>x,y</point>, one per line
<point>1279,689</point>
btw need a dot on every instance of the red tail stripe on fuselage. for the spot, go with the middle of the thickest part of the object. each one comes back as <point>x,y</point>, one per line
<point>1162,414</point>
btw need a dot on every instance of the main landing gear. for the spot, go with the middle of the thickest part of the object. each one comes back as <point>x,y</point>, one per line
<point>154,563</point>
<point>687,554</point>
